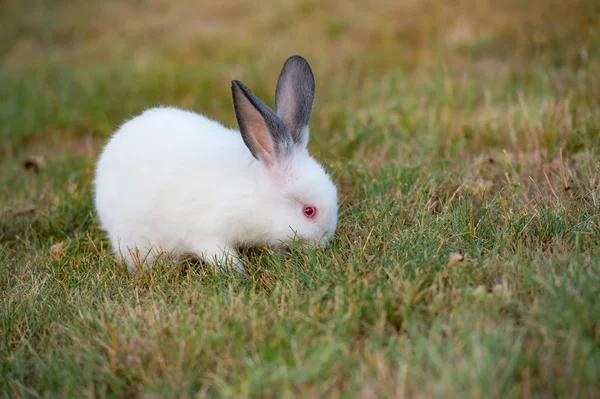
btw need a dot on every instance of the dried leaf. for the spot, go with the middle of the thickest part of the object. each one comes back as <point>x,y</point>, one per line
<point>456,257</point>
<point>57,248</point>
<point>434,205</point>
<point>478,185</point>
<point>368,257</point>
<point>34,163</point>
<point>21,211</point>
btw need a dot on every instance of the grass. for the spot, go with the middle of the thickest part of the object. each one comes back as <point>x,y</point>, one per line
<point>469,127</point>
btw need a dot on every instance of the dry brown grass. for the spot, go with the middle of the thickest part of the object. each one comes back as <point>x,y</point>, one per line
<point>380,33</point>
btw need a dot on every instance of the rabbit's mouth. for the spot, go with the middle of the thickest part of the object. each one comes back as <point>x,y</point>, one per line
<point>325,239</point>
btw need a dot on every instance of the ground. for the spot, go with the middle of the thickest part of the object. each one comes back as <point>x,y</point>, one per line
<point>464,138</point>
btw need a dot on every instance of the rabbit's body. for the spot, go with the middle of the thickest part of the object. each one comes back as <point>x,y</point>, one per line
<point>175,181</point>
<point>187,157</point>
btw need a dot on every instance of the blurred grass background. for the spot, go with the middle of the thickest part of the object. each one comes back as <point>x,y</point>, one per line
<point>450,126</point>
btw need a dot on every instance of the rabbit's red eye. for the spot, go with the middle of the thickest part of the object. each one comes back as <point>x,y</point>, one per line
<point>309,211</point>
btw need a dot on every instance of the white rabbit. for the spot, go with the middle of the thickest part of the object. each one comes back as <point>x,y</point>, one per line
<point>175,181</point>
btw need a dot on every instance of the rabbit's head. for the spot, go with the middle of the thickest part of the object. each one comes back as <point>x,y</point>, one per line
<point>302,199</point>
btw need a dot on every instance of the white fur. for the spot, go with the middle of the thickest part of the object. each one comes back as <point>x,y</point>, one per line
<point>176,181</point>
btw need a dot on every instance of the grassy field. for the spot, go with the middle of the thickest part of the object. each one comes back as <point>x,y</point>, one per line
<point>451,127</point>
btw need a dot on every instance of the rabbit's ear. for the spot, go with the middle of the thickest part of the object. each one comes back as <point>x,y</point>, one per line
<point>263,132</point>
<point>294,97</point>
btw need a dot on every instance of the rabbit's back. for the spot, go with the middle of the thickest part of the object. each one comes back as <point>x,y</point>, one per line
<point>174,134</point>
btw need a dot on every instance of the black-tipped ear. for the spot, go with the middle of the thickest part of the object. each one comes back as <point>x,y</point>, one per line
<point>294,97</point>
<point>263,132</point>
